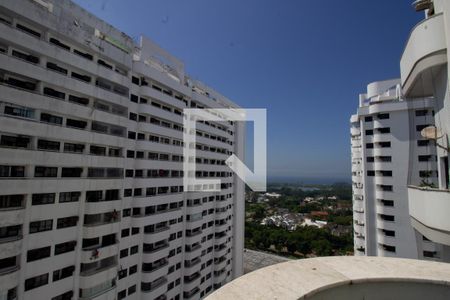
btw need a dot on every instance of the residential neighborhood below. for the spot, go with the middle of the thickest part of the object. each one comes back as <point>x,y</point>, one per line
<point>300,221</point>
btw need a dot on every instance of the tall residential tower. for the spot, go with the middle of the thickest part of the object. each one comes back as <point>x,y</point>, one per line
<point>92,204</point>
<point>383,144</point>
<point>400,149</point>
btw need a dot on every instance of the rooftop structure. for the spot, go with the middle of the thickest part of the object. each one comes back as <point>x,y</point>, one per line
<point>342,278</point>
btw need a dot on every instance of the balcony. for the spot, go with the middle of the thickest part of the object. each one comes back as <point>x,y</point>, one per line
<point>424,51</point>
<point>345,277</point>
<point>428,208</point>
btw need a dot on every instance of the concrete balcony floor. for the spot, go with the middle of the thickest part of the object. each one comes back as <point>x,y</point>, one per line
<point>345,277</point>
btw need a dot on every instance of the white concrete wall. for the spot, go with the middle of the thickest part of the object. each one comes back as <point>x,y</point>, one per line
<point>81,31</point>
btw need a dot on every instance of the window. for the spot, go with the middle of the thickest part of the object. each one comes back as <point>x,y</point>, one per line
<point>45,171</point>
<point>28,30</point>
<point>125,232</point>
<point>38,253</point>
<point>83,54</point>
<point>388,248</point>
<point>426,174</point>
<point>115,152</point>
<point>19,111</point>
<point>423,143</point>
<point>39,226</point>
<point>134,98</point>
<point>59,44</point>
<point>73,148</point>
<point>122,273</point>
<point>7,263</point>
<point>128,192</point>
<point>368,119</point>
<point>385,188</point>
<point>134,250</point>
<point>421,112</point>
<point>126,212</point>
<point>71,172</point>
<point>384,144</point>
<point>66,296</point>
<point>81,77</point>
<point>15,141</point>
<point>384,130</point>
<point>384,158</point>
<point>388,218</point>
<point>104,64</point>
<point>420,127</point>
<point>98,127</point>
<point>54,93</point>
<point>65,247</point>
<point>76,124</point>
<point>48,118</point>
<point>39,199</point>
<point>430,254</point>
<point>388,232</point>
<point>11,201</point>
<point>69,197</point>
<point>111,195</point>
<point>135,80</point>
<point>385,173</point>
<point>369,132</point>
<point>123,253</point>
<point>369,145</point>
<point>425,157</point>
<point>387,202</point>
<point>122,294</point>
<point>134,230</point>
<point>370,159</point>
<point>78,100</point>
<point>131,290</point>
<point>132,135</point>
<point>21,84</point>
<point>35,282</point>
<point>133,116</point>
<point>48,145</point>
<point>383,116</point>
<point>12,171</point>
<point>133,269</point>
<point>10,231</point>
<point>153,156</point>
<point>66,222</point>
<point>12,293</point>
<point>97,150</point>
<point>63,273</point>
<point>55,67</point>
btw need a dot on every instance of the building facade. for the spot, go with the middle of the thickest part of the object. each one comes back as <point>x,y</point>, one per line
<point>424,73</point>
<point>383,144</point>
<point>92,204</point>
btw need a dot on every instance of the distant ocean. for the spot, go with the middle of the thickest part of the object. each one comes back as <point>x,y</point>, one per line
<point>305,180</point>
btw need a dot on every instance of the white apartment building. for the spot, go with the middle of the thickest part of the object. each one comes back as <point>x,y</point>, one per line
<point>424,73</point>
<point>92,204</point>
<point>383,144</point>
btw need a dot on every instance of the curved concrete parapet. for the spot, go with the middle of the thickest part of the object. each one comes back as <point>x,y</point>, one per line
<point>429,209</point>
<point>425,49</point>
<point>344,277</point>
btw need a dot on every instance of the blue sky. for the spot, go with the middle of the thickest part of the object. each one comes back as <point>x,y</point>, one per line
<point>305,61</point>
